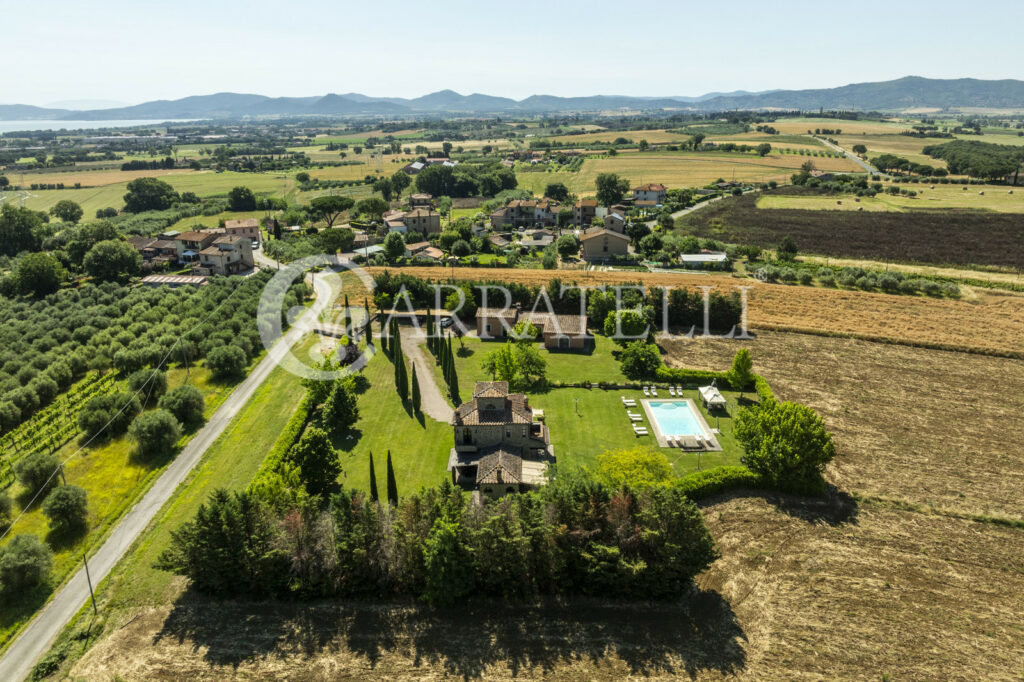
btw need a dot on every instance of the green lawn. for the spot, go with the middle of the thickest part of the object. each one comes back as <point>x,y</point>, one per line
<point>595,365</point>
<point>419,445</point>
<point>601,423</point>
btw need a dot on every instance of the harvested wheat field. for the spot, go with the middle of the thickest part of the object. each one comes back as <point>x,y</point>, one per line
<point>793,597</point>
<point>917,426</point>
<point>984,320</point>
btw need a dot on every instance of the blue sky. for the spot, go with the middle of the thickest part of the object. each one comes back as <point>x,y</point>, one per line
<point>124,51</point>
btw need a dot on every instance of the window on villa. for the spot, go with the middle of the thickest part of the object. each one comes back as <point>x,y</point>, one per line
<point>508,432</point>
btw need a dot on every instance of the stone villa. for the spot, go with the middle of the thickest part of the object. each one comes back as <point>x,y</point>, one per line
<point>499,448</point>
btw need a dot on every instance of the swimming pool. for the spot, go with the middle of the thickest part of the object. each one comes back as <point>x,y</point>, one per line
<point>676,417</point>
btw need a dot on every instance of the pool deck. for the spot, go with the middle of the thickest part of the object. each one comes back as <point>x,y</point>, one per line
<point>662,438</point>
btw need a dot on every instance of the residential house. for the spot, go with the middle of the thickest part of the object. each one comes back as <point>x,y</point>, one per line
<point>423,220</point>
<point>441,161</point>
<point>431,254</point>
<point>413,168</point>
<point>501,218</point>
<point>823,175</point>
<point>394,221</point>
<point>584,212</point>
<point>412,249</point>
<point>498,446</point>
<point>491,323</point>
<point>562,332</point>
<point>497,241</point>
<point>139,242</point>
<point>650,192</point>
<point>421,200</point>
<point>160,251</point>
<point>565,332</point>
<point>189,244</point>
<point>248,228</point>
<point>525,213</point>
<point>600,244</point>
<point>227,255</point>
<point>615,222</point>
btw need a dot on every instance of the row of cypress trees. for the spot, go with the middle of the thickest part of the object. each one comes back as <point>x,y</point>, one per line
<point>441,347</point>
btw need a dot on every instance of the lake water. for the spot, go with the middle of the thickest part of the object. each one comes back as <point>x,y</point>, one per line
<point>18,126</point>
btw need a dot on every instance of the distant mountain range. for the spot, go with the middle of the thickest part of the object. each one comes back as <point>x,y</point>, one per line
<point>895,95</point>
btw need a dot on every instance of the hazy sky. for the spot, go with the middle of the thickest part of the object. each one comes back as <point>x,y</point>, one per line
<point>138,51</point>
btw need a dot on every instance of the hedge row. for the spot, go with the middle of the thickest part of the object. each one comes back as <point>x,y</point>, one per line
<point>289,436</point>
<point>702,484</point>
<point>702,376</point>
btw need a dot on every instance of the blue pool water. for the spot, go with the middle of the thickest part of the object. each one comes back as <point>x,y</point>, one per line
<point>675,418</point>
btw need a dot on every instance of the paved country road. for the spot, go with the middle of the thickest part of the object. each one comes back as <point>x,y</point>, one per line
<point>38,636</point>
<point>852,157</point>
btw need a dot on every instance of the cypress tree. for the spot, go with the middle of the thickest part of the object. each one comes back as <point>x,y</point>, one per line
<point>430,331</point>
<point>369,324</point>
<point>453,384</point>
<point>415,390</point>
<point>392,484</point>
<point>444,361</point>
<point>373,482</point>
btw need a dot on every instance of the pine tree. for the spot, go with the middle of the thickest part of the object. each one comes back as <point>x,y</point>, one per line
<point>373,481</point>
<point>415,390</point>
<point>392,483</point>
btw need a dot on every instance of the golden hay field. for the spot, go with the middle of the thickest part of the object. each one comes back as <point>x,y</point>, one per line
<point>652,136</point>
<point>989,321</point>
<point>683,169</point>
<point>800,126</point>
<point>885,579</point>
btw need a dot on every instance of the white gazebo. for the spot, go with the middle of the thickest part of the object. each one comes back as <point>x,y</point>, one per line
<point>711,397</point>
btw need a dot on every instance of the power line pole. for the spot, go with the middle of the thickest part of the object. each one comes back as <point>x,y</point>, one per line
<point>88,577</point>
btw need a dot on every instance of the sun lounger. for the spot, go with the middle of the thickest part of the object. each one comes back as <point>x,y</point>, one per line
<point>654,391</point>
<point>689,443</point>
<point>635,418</point>
<point>640,432</point>
<point>671,391</point>
<point>679,390</point>
<point>647,392</point>
<point>671,441</point>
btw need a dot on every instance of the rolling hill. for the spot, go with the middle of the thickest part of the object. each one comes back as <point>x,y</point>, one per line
<point>895,95</point>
